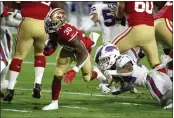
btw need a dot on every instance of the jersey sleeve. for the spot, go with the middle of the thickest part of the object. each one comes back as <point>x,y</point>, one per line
<point>96,9</point>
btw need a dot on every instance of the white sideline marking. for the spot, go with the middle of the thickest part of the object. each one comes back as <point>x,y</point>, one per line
<point>76,93</point>
<point>75,107</point>
<point>15,110</point>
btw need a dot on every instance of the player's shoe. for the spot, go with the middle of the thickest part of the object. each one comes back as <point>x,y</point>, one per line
<point>165,59</point>
<point>9,95</point>
<point>36,91</point>
<point>170,106</point>
<point>100,75</point>
<point>52,106</point>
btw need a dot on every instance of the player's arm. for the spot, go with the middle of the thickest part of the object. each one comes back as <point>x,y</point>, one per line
<point>126,70</point>
<point>121,10</point>
<point>89,23</point>
<point>57,4</point>
<point>14,5</point>
<point>81,53</point>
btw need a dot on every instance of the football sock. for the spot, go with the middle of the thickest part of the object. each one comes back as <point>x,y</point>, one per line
<point>56,87</point>
<point>3,65</point>
<point>163,70</point>
<point>15,68</point>
<point>39,64</point>
<point>94,75</point>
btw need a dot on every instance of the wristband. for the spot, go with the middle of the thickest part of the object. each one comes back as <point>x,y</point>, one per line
<point>75,68</point>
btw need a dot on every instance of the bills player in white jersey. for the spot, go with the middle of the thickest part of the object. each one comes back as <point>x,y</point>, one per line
<point>161,89</point>
<point>111,27</point>
<point>6,19</point>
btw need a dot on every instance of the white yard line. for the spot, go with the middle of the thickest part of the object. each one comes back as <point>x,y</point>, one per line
<point>78,93</point>
<point>125,103</point>
<point>75,107</point>
<point>48,63</point>
<point>16,110</point>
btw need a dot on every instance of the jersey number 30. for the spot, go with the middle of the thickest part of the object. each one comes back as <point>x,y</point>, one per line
<point>109,19</point>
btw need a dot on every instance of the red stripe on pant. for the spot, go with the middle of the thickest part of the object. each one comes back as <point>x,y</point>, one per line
<point>153,86</point>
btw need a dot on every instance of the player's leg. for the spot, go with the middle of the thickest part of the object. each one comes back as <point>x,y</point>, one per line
<point>163,31</point>
<point>40,62</point>
<point>158,84</point>
<point>64,60</point>
<point>125,40</point>
<point>23,44</point>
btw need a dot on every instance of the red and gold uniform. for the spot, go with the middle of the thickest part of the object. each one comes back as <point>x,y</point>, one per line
<point>140,32</point>
<point>67,33</point>
<point>164,24</point>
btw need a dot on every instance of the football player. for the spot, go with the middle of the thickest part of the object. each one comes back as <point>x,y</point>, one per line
<point>164,20</point>
<point>140,32</point>
<point>30,33</point>
<point>158,84</point>
<point>75,47</point>
<point>6,19</point>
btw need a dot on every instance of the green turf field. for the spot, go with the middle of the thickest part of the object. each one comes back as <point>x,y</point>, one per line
<point>78,100</point>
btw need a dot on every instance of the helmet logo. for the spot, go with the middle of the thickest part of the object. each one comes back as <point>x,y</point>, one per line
<point>109,48</point>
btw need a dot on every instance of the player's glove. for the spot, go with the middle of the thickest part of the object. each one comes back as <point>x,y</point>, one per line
<point>50,47</point>
<point>69,76</point>
<point>104,88</point>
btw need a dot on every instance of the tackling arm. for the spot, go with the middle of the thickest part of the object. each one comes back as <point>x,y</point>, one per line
<point>81,53</point>
<point>57,4</point>
<point>89,23</point>
<point>121,10</point>
<point>127,70</point>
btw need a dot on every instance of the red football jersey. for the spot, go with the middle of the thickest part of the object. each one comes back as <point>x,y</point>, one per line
<point>139,13</point>
<point>68,33</point>
<point>166,11</point>
<point>34,9</point>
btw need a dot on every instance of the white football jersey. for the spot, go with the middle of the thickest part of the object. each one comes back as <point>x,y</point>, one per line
<point>107,21</point>
<point>140,72</point>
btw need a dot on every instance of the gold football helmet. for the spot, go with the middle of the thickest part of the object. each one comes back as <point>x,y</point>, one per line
<point>54,20</point>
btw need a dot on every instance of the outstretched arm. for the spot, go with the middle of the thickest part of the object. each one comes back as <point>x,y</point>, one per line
<point>121,10</point>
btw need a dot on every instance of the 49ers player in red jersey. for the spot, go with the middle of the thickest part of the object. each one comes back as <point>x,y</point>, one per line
<point>164,31</point>
<point>140,32</point>
<point>31,32</point>
<point>75,47</point>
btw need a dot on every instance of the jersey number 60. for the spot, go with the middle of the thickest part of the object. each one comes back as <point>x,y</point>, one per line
<point>109,19</point>
<point>144,7</point>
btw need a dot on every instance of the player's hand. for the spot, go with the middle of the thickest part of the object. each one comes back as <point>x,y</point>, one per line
<point>50,48</point>
<point>104,88</point>
<point>69,76</point>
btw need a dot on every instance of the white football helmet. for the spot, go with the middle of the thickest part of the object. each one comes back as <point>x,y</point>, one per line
<point>122,60</point>
<point>106,56</point>
<point>54,20</point>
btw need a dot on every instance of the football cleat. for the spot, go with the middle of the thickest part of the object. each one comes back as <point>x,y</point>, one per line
<point>52,106</point>
<point>9,95</point>
<point>170,106</point>
<point>165,59</point>
<point>37,91</point>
